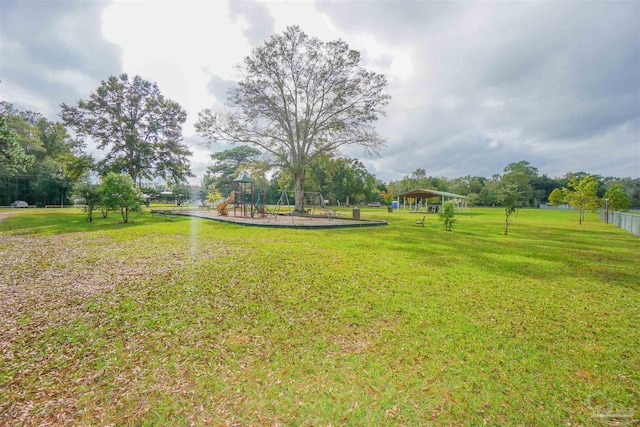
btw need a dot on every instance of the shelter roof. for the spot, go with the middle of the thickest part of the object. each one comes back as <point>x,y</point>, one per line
<point>425,194</point>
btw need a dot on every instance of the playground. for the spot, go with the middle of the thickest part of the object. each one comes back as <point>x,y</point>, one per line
<point>285,220</point>
<point>245,206</point>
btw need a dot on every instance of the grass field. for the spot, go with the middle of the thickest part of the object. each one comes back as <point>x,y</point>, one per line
<point>196,322</point>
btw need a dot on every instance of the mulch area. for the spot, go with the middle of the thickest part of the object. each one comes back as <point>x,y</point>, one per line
<point>284,221</point>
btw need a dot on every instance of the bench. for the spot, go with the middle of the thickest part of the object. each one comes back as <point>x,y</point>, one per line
<point>421,222</point>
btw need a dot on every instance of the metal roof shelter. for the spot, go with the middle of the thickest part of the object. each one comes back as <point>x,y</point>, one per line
<point>427,194</point>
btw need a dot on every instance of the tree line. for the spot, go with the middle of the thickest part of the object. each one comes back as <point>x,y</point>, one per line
<point>41,163</point>
<point>533,189</point>
<point>347,180</point>
<point>138,129</point>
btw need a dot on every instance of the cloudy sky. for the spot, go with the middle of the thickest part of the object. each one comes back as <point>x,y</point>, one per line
<point>474,85</point>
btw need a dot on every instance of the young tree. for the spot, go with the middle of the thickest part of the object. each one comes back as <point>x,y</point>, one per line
<point>556,198</point>
<point>582,193</point>
<point>120,192</point>
<point>510,199</point>
<point>300,97</point>
<point>619,200</point>
<point>473,199</point>
<point>90,195</point>
<point>447,215</point>
<point>140,128</point>
<point>387,196</point>
<point>213,195</point>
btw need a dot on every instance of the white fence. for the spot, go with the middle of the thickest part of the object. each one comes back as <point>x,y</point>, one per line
<point>626,221</point>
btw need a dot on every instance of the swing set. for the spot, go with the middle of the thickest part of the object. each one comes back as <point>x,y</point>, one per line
<point>246,202</point>
<point>313,204</point>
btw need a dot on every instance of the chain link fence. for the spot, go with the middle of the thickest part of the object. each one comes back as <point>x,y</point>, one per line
<point>626,221</point>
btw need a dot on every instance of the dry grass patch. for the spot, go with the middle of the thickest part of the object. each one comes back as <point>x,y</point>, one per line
<point>53,290</point>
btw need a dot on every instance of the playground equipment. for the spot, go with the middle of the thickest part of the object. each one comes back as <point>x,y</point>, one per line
<point>222,207</point>
<point>243,200</point>
<point>312,202</point>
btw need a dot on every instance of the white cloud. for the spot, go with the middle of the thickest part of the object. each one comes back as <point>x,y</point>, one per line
<point>177,45</point>
<point>474,86</point>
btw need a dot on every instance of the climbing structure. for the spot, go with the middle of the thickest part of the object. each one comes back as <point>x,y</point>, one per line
<point>242,198</point>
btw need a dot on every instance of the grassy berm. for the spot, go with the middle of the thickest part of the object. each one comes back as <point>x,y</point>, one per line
<point>196,322</point>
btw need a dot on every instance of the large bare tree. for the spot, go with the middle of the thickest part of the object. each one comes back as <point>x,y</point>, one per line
<point>300,97</point>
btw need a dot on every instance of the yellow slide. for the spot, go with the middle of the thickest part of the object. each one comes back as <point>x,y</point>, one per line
<point>222,207</point>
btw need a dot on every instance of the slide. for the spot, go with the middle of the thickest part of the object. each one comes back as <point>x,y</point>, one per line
<point>222,207</point>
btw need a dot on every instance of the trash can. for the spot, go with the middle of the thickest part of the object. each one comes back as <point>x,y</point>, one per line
<point>390,209</point>
<point>356,213</point>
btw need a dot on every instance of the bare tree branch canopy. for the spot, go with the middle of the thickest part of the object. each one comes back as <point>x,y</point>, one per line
<point>300,97</point>
<point>139,126</point>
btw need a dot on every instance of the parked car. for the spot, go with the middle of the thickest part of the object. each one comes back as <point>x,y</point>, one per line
<point>19,204</point>
<point>374,205</point>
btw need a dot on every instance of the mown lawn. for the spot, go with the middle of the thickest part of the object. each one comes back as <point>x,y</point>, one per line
<point>196,322</point>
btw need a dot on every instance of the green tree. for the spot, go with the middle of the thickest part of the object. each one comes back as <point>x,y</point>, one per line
<point>300,97</point>
<point>487,195</point>
<point>521,175</point>
<point>12,158</point>
<point>510,199</point>
<point>24,124</point>
<point>55,162</point>
<point>120,192</point>
<point>213,195</point>
<point>556,198</point>
<point>473,199</point>
<point>351,181</point>
<point>320,176</point>
<point>387,196</point>
<point>542,187</point>
<point>89,194</point>
<point>523,167</point>
<point>140,128</point>
<point>466,185</point>
<point>228,164</point>
<point>447,215</point>
<point>619,200</point>
<point>582,193</point>
<point>630,185</point>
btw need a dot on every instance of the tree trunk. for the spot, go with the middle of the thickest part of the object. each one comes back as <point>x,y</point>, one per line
<point>580,215</point>
<point>299,190</point>
<point>506,225</point>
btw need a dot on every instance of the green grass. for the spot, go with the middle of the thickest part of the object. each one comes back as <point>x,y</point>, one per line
<point>193,321</point>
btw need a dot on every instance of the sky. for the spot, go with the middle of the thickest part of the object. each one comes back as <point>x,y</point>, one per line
<point>474,85</point>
